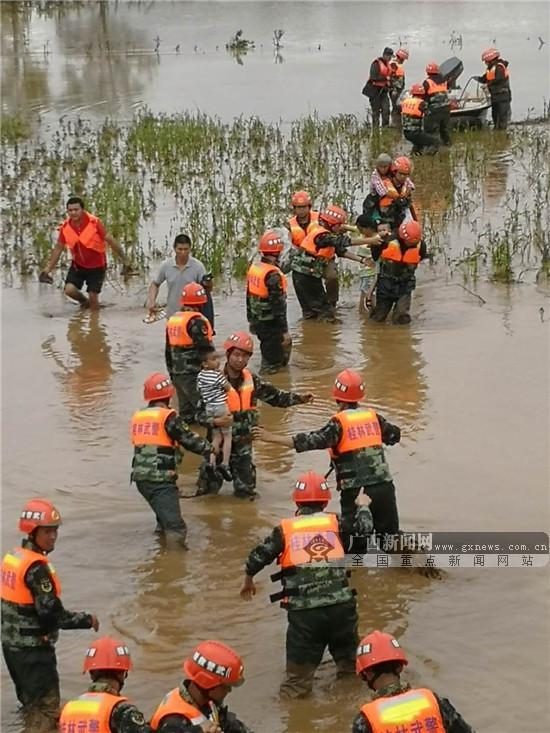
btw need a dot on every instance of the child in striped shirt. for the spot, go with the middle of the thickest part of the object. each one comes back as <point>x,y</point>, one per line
<point>213,387</point>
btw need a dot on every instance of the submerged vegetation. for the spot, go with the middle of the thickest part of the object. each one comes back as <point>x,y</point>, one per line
<point>484,205</point>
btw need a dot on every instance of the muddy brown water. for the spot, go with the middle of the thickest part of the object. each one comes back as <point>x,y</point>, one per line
<point>467,383</point>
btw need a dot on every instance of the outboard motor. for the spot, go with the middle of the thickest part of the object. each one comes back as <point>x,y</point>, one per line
<point>450,70</point>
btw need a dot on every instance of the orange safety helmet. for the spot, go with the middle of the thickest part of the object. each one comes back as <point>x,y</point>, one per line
<point>157,387</point>
<point>193,294</point>
<point>348,386</point>
<point>312,487</point>
<point>376,648</point>
<point>417,90</point>
<point>402,54</point>
<point>410,232</point>
<point>270,243</point>
<point>301,198</point>
<point>402,165</point>
<point>333,215</point>
<point>239,340</point>
<point>213,663</point>
<point>107,653</point>
<point>490,54</point>
<point>432,68</point>
<point>38,513</point>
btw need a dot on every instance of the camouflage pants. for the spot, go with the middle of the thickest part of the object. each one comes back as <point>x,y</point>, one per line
<point>310,631</point>
<point>401,308</point>
<point>274,354</point>
<point>312,296</point>
<point>34,674</point>
<point>188,396</point>
<point>332,284</point>
<point>383,508</point>
<point>163,500</point>
<point>243,470</point>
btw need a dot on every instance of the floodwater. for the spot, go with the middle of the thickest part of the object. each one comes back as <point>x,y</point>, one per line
<point>467,383</point>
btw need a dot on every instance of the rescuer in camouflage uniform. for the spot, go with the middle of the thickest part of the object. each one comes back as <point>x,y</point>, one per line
<point>247,389</point>
<point>360,466</point>
<point>394,704</point>
<point>321,606</point>
<point>266,304</point>
<point>102,706</point>
<point>157,432</point>
<point>187,333</point>
<point>32,614</point>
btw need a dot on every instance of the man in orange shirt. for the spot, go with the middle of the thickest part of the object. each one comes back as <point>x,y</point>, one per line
<point>86,237</point>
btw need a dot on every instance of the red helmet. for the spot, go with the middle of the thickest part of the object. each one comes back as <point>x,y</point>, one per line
<point>402,54</point>
<point>311,486</point>
<point>410,232</point>
<point>157,387</point>
<point>333,215</point>
<point>213,663</point>
<point>417,90</point>
<point>193,294</point>
<point>376,648</point>
<point>38,513</point>
<point>107,653</point>
<point>301,198</point>
<point>348,386</point>
<point>432,68</point>
<point>490,54</point>
<point>239,340</point>
<point>402,165</point>
<point>271,243</point>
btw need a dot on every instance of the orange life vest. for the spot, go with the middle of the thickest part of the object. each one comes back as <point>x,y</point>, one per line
<point>360,429</point>
<point>397,69</point>
<point>147,427</point>
<point>401,712</point>
<point>435,87</point>
<point>88,237</point>
<point>490,74</point>
<point>14,568</point>
<point>91,712</point>
<point>308,244</point>
<point>384,71</point>
<point>174,704</point>
<point>410,107</point>
<point>393,252</point>
<point>256,276</point>
<point>241,399</point>
<point>390,186</point>
<point>310,539</point>
<point>177,328</point>
<point>297,233</point>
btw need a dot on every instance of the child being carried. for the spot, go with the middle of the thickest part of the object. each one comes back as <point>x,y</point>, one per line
<point>213,387</point>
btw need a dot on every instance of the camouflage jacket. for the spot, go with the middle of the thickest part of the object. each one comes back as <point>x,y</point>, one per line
<point>306,264</point>
<point>228,722</point>
<point>362,467</point>
<point>452,721</point>
<point>187,360</point>
<point>396,278</point>
<point>311,586</point>
<point>413,123</point>
<point>436,101</point>
<point>151,463</point>
<point>272,309</point>
<point>125,718</point>
<point>39,626</point>
<point>244,421</point>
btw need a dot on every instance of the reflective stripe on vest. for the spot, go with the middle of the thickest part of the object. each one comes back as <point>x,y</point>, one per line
<point>384,71</point>
<point>177,328</point>
<point>435,87</point>
<point>410,107</point>
<point>256,276</point>
<point>147,427</point>
<point>393,252</point>
<point>490,74</point>
<point>297,233</point>
<point>89,713</point>
<point>14,568</point>
<point>241,399</point>
<point>390,186</point>
<point>310,540</point>
<point>411,710</point>
<point>88,237</point>
<point>360,429</point>
<point>308,244</point>
<point>174,704</point>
